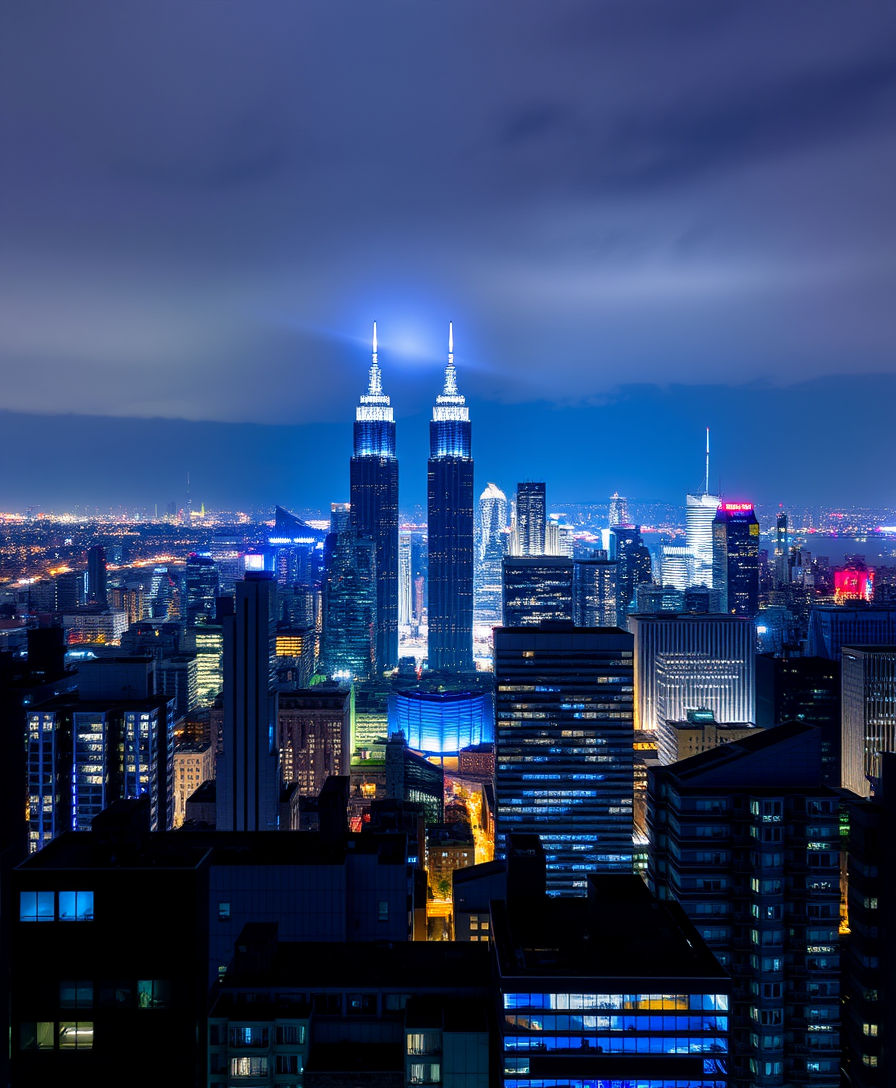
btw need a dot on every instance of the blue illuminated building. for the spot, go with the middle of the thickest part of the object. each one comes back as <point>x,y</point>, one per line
<point>374,504</point>
<point>441,723</point>
<point>564,756</point>
<point>450,523</point>
<point>616,989</point>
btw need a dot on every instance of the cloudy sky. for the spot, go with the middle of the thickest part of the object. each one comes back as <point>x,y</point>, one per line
<point>643,218</point>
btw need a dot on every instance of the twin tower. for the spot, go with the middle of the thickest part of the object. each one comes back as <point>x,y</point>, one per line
<point>374,506</point>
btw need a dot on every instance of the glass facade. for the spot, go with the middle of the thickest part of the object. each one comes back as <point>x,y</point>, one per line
<point>442,722</point>
<point>564,752</point>
<point>623,1026</point>
<point>536,590</point>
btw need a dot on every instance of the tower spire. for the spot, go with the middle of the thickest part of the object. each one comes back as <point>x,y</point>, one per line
<point>450,389</point>
<point>375,382</point>
<point>706,480</point>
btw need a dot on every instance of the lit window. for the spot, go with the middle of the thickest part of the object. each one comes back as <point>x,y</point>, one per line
<point>36,907</point>
<point>248,1067</point>
<point>869,1029</point>
<point>76,1035</point>
<point>382,910</point>
<point>153,993</point>
<point>223,912</point>
<point>37,1036</point>
<point>76,906</point>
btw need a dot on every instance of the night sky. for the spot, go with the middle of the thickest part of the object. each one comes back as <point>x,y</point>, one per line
<point>643,218</point>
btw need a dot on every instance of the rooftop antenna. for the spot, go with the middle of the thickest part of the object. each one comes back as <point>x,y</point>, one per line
<point>706,481</point>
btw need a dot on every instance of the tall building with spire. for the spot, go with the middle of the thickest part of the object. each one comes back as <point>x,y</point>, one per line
<point>700,514</point>
<point>450,520</point>
<point>374,504</point>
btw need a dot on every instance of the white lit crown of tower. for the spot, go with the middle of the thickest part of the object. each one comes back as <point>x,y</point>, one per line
<point>449,403</point>
<point>374,404</point>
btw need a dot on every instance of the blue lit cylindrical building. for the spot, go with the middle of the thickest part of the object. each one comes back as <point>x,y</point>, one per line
<point>441,723</point>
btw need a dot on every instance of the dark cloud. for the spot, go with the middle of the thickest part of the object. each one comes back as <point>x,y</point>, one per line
<point>204,205</point>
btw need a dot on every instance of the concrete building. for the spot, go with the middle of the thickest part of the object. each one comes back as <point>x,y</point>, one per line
<point>194,763</point>
<point>698,732</point>
<point>868,713</point>
<point>314,729</point>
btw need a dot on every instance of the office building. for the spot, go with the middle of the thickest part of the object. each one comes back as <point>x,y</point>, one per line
<point>113,740</point>
<point>700,513</point>
<point>614,988</point>
<point>735,558</point>
<point>226,549</point>
<point>595,592</point>
<point>88,626</point>
<point>782,550</point>
<point>564,747</point>
<point>194,763</point>
<point>314,729</point>
<point>676,566</point>
<point>868,713</point>
<point>537,589</point>
<point>82,981</point>
<point>618,514</point>
<point>531,518</point>
<point>831,627</point>
<point>698,732</point>
<point>178,678</point>
<point>201,588</point>
<point>96,577</point>
<point>411,777</point>
<point>747,839</point>
<point>374,503</point>
<point>450,521</point>
<point>802,689</point>
<point>869,946</point>
<point>442,722</point>
<point>490,551</point>
<point>684,662</point>
<point>321,1014</point>
<point>340,516</point>
<point>248,778</point>
<point>634,565</point>
<point>348,638</point>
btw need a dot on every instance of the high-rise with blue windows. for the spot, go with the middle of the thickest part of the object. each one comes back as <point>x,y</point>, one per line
<point>564,756</point>
<point>374,504</point>
<point>450,522</point>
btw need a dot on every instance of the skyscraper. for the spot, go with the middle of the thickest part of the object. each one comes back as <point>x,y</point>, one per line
<point>595,591</point>
<point>96,576</point>
<point>200,588</point>
<point>537,588</point>
<point>634,564</point>
<point>450,521</point>
<point>374,500</point>
<point>348,649</point>
<point>531,517</point>
<point>248,774</point>
<point>868,713</point>
<point>735,558</point>
<point>685,662</point>
<point>618,510</point>
<point>700,514</point>
<point>564,747</point>
<point>491,547</point>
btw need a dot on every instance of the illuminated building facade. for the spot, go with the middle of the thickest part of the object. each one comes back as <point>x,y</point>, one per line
<point>450,521</point>
<point>102,627</point>
<point>634,565</point>
<point>853,585</point>
<point>868,677</point>
<point>563,750</point>
<point>491,549</point>
<point>178,678</point>
<point>747,839</point>
<point>831,627</point>
<point>611,989</point>
<point>194,763</point>
<point>248,779</point>
<point>348,643</point>
<point>531,518</point>
<point>595,592</point>
<point>698,732</point>
<point>688,661</point>
<point>537,589</point>
<point>618,514</point>
<point>374,505</point>
<point>735,558</point>
<point>86,752</point>
<point>314,729</point>
<point>226,548</point>
<point>441,723</point>
<point>200,588</point>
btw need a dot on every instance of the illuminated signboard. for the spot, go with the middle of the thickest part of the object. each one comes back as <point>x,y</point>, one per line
<point>853,585</point>
<point>737,506</point>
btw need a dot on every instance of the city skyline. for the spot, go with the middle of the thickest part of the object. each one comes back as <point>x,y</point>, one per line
<point>638,231</point>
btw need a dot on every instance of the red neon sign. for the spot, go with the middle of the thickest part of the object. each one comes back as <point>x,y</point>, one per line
<point>737,506</point>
